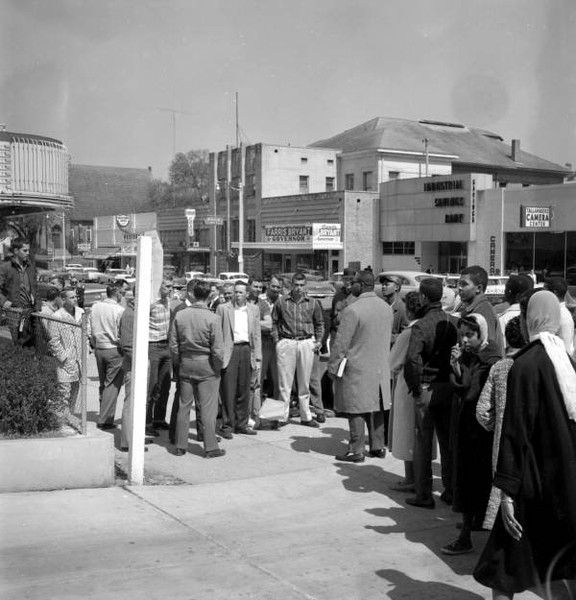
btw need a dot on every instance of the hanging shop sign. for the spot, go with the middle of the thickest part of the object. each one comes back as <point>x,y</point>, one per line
<point>535,217</point>
<point>326,236</point>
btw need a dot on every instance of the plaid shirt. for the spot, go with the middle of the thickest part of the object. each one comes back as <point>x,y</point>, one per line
<point>159,321</point>
<point>300,318</point>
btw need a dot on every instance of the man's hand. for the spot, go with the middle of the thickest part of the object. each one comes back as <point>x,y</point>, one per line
<point>511,525</point>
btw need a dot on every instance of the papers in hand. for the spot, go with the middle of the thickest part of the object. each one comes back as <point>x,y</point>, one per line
<point>341,367</point>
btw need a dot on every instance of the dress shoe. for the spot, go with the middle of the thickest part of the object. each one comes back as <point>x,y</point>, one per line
<point>226,435</point>
<point>457,547</point>
<point>106,426</point>
<point>214,453</point>
<point>350,457</point>
<point>180,452</point>
<point>446,497</point>
<point>160,425</point>
<point>150,430</point>
<point>246,431</point>
<point>403,486</point>
<point>320,418</point>
<point>311,423</point>
<point>380,453</point>
<point>419,503</point>
<point>126,449</point>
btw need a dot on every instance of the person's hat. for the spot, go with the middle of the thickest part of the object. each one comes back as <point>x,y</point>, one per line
<point>431,287</point>
<point>393,278</point>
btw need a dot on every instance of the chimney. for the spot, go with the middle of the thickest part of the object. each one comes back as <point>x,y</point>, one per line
<point>516,150</point>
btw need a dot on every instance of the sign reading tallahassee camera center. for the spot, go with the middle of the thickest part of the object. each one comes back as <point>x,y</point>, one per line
<point>318,236</point>
<point>535,217</point>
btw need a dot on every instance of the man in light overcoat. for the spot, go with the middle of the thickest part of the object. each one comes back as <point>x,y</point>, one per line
<point>363,390</point>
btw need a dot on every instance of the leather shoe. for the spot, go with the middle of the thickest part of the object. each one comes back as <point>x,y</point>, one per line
<point>126,449</point>
<point>150,430</point>
<point>350,457</point>
<point>419,503</point>
<point>180,452</point>
<point>160,425</point>
<point>403,487</point>
<point>226,435</point>
<point>310,423</point>
<point>246,431</point>
<point>106,426</point>
<point>214,453</point>
<point>380,453</point>
<point>447,497</point>
<point>320,418</point>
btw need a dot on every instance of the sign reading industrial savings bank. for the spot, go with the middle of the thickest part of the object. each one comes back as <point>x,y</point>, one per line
<point>318,236</point>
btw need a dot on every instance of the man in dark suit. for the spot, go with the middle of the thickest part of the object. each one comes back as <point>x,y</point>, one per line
<point>242,355</point>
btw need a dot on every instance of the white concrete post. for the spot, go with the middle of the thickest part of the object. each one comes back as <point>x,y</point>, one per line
<point>139,392</point>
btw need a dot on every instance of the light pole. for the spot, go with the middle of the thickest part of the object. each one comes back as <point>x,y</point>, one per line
<point>63,240</point>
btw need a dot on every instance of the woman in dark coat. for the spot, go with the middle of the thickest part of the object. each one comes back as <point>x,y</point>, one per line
<point>471,360</point>
<point>534,536</point>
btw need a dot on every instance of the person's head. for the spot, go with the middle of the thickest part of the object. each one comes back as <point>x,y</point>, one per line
<point>69,298</point>
<point>256,286</point>
<point>363,282</point>
<point>201,290</point>
<point>20,247</point>
<point>298,285</point>
<point>166,288</point>
<point>122,287</point>
<point>391,285</point>
<point>541,311</point>
<point>558,286</point>
<point>473,333</point>
<point>190,289</point>
<point>513,333</point>
<point>74,281</point>
<point>228,292</point>
<point>57,282</point>
<point>413,305</point>
<point>473,282</point>
<point>274,287</point>
<point>240,293</point>
<point>53,295</point>
<point>430,291</point>
<point>516,286</point>
<point>214,291</point>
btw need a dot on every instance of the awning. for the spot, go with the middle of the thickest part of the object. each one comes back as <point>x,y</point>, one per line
<point>101,253</point>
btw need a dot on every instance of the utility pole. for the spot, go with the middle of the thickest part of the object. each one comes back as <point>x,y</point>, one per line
<point>241,212</point>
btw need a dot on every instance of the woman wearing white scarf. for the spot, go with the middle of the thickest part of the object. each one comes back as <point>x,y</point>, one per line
<point>533,541</point>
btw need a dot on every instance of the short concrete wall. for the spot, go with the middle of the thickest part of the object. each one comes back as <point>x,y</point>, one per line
<point>33,464</point>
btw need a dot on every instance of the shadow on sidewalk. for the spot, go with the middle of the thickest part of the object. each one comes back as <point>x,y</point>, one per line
<point>403,587</point>
<point>329,444</point>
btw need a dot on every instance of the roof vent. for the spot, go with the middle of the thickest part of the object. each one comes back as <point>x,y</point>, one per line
<point>441,123</point>
<point>516,150</point>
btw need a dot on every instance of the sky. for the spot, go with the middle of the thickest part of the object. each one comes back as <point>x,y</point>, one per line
<point>100,74</point>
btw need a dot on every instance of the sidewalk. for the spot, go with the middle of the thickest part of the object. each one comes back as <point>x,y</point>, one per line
<point>276,518</point>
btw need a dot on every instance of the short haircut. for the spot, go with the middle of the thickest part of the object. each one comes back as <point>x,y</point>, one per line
<point>469,322</point>
<point>558,286</point>
<point>255,279</point>
<point>366,278</point>
<point>517,285</point>
<point>478,275</point>
<point>59,279</point>
<point>111,290</point>
<point>201,289</point>
<point>240,282</point>
<point>52,293</point>
<point>119,283</point>
<point>412,302</point>
<point>277,278</point>
<point>513,333</point>
<point>190,285</point>
<point>18,242</point>
<point>298,277</point>
<point>68,289</point>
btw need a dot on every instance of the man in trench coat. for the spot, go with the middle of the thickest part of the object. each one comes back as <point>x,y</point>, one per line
<point>363,339</point>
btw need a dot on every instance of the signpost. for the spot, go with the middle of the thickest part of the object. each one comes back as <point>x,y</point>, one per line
<point>213,220</point>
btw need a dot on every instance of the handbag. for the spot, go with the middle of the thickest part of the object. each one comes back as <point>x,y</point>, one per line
<point>272,410</point>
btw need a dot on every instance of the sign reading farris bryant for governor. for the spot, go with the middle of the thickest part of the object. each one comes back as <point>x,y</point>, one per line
<point>326,236</point>
<point>318,236</point>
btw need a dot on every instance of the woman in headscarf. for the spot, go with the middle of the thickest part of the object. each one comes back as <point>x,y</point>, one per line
<point>471,360</point>
<point>533,540</point>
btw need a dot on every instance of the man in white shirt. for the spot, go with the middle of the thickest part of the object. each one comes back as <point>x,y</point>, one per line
<point>242,355</point>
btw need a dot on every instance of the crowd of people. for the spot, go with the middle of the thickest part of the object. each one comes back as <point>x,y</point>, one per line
<point>493,387</point>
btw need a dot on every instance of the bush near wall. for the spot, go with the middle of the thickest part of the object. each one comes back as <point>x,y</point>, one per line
<point>29,400</point>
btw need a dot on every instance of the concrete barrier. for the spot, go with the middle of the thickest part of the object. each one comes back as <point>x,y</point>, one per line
<point>53,463</point>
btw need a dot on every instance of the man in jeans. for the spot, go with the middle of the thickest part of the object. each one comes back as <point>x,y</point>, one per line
<point>428,365</point>
<point>297,330</point>
<point>104,340</point>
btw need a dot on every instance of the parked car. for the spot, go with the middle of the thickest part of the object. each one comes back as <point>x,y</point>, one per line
<point>73,267</point>
<point>320,289</point>
<point>189,275</point>
<point>228,276</point>
<point>89,274</point>
<point>110,275</point>
<point>496,285</point>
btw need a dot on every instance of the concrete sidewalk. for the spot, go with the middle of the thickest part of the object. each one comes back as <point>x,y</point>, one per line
<point>276,518</point>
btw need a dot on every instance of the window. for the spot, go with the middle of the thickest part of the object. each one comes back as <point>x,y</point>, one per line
<point>223,233</point>
<point>349,181</point>
<point>303,160</point>
<point>398,248</point>
<point>234,234</point>
<point>367,181</point>
<point>250,187</point>
<point>330,162</point>
<point>392,175</point>
<point>304,179</point>
<point>251,230</point>
<point>330,184</point>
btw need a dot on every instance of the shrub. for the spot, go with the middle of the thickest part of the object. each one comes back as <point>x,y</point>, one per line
<point>29,399</point>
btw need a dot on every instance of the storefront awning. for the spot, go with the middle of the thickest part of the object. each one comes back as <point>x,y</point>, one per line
<point>102,253</point>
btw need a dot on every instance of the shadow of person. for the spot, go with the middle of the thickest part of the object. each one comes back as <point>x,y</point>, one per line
<point>401,586</point>
<point>366,477</point>
<point>330,443</point>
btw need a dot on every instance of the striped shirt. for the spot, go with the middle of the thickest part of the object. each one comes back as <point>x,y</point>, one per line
<point>159,321</point>
<point>295,319</point>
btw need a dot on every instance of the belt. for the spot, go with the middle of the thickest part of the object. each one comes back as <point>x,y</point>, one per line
<point>159,342</point>
<point>298,338</point>
<point>241,343</point>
